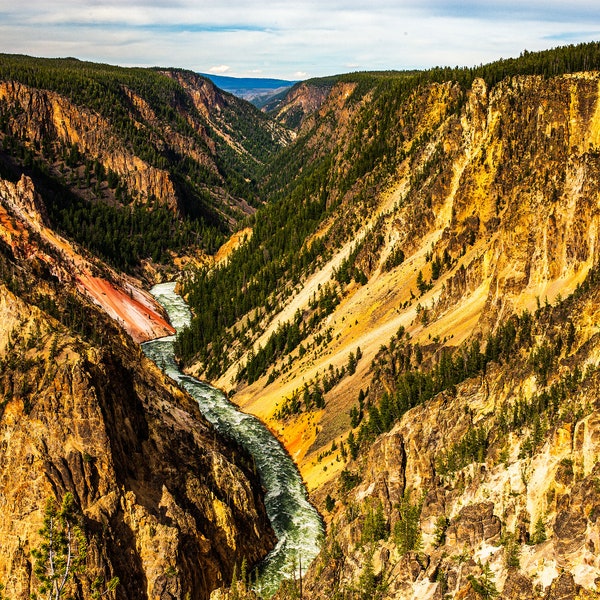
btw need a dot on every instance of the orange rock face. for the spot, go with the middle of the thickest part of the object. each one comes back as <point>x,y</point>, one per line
<point>134,310</point>
<point>22,215</point>
<point>168,506</point>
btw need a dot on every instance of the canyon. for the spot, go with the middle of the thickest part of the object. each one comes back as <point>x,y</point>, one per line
<point>406,295</point>
<point>166,501</point>
<point>512,203</point>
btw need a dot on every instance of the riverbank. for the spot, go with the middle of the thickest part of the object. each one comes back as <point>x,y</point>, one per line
<point>297,524</point>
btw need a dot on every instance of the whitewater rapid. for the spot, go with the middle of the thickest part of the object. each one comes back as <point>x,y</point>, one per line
<point>297,525</point>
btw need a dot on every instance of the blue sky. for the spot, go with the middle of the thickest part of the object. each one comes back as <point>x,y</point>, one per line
<point>292,39</point>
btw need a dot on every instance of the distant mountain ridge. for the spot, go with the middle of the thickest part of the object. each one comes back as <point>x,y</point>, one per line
<point>256,90</point>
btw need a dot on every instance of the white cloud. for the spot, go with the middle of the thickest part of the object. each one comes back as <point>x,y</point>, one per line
<point>219,69</point>
<point>296,38</point>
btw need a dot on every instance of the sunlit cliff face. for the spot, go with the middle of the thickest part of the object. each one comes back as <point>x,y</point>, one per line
<point>83,412</point>
<point>498,211</point>
<point>506,208</point>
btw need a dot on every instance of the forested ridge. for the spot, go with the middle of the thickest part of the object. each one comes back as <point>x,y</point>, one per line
<point>546,63</point>
<point>300,174</point>
<point>329,179</point>
<point>105,89</point>
<point>210,160</point>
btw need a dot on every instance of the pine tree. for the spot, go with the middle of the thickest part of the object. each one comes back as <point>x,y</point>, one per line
<point>512,550</point>
<point>439,533</point>
<point>407,531</point>
<point>234,592</point>
<point>539,532</point>
<point>352,445</point>
<point>436,268</point>
<point>367,582</point>
<point>570,336</point>
<point>244,573</point>
<point>375,524</point>
<point>484,585</point>
<point>351,363</point>
<point>421,283</point>
<point>329,503</point>
<point>63,550</point>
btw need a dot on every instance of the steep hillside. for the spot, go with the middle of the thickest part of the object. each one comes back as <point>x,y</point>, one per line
<point>24,228</point>
<point>491,481</point>
<point>428,281</point>
<point>412,309</point>
<point>166,505</point>
<point>103,144</point>
<point>301,101</point>
<point>473,218</point>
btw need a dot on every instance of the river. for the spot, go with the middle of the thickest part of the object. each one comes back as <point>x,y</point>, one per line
<point>296,523</point>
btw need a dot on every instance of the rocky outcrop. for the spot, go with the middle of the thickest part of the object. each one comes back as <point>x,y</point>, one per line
<point>44,115</point>
<point>521,520</point>
<point>23,202</point>
<point>123,136</point>
<point>522,516</point>
<point>24,226</point>
<point>301,102</point>
<point>474,524</point>
<point>168,507</point>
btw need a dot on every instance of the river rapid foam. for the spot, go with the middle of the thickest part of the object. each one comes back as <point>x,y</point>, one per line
<point>297,525</point>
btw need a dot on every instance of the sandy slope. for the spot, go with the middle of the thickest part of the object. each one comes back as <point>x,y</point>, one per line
<point>368,317</point>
